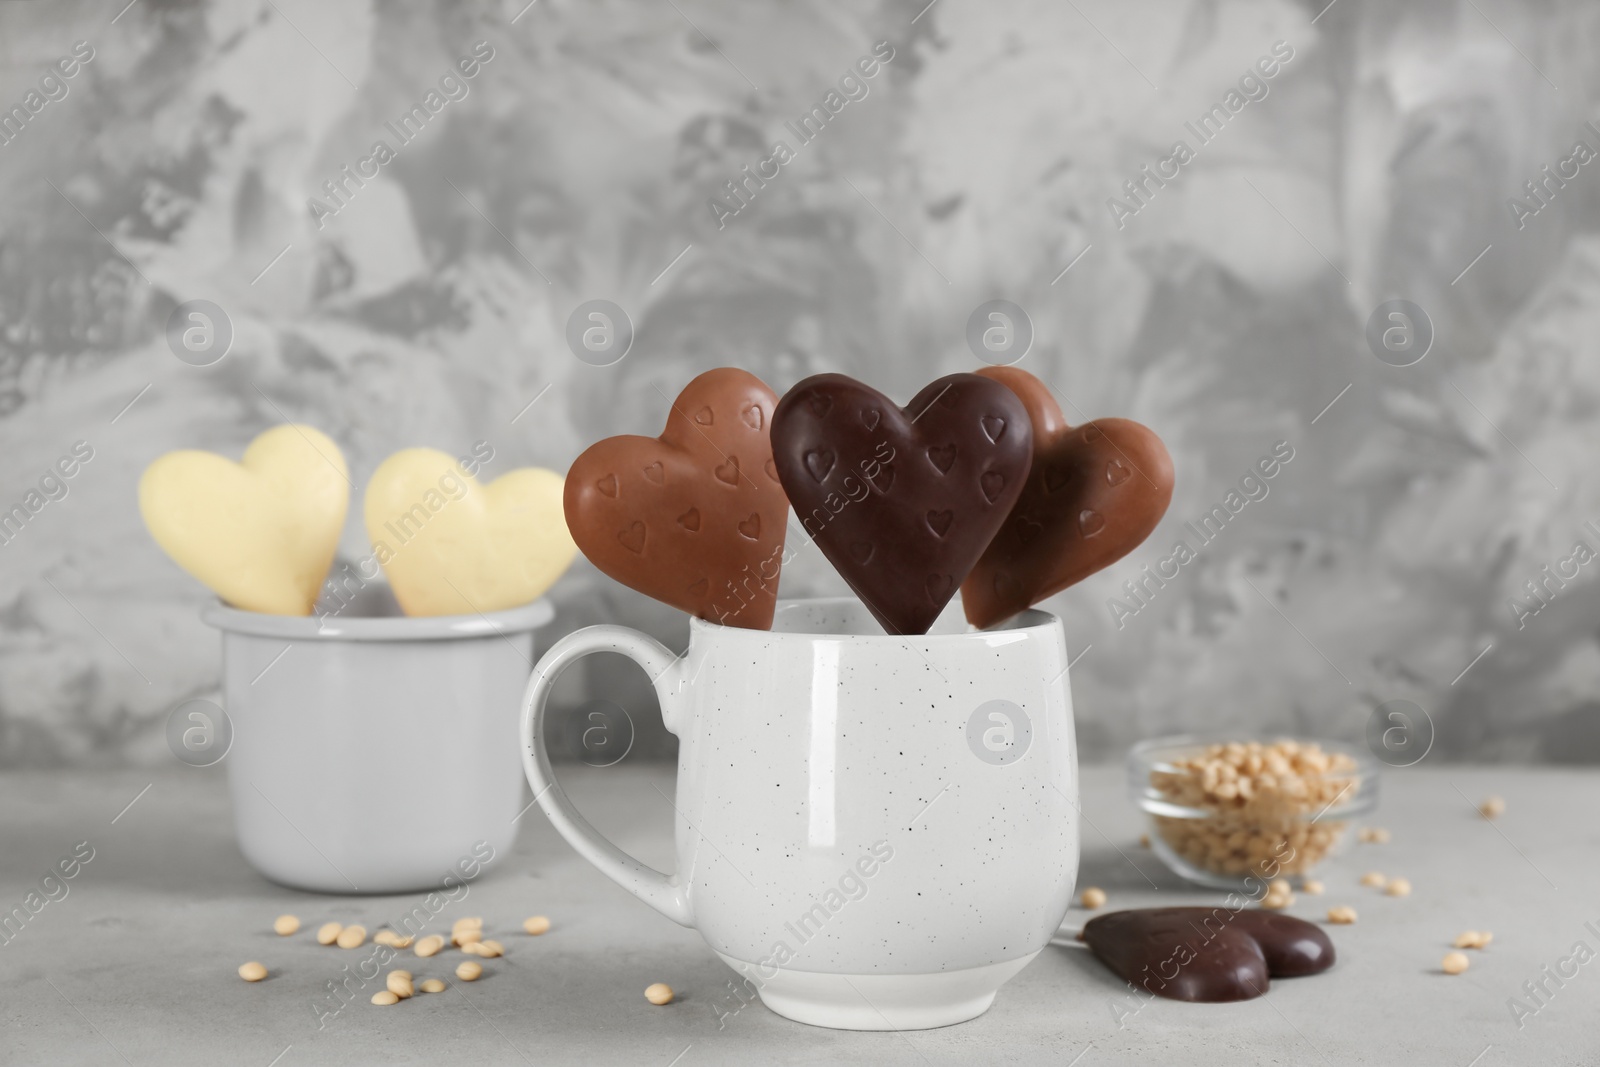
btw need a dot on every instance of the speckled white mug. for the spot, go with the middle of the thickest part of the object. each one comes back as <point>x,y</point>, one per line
<point>877,831</point>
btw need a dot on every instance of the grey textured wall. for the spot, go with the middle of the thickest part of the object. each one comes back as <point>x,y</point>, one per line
<point>1227,306</point>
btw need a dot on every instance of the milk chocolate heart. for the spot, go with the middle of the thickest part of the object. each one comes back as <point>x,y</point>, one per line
<point>1095,493</point>
<point>1206,954</point>
<point>902,501</point>
<point>694,518</point>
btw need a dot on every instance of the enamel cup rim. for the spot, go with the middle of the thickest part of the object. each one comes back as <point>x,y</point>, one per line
<point>522,618</point>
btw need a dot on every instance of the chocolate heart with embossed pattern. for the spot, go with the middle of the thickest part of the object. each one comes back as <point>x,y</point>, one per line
<point>902,501</point>
<point>1095,493</point>
<point>1209,955</point>
<point>694,518</point>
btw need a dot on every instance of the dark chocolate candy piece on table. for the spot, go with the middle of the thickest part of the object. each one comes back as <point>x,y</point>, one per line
<point>1207,954</point>
<point>1095,493</point>
<point>694,518</point>
<point>902,501</point>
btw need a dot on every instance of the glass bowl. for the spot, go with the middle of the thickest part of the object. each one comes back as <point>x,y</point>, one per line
<point>1235,812</point>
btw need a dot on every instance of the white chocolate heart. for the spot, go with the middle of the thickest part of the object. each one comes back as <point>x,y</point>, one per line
<point>260,533</point>
<point>451,545</point>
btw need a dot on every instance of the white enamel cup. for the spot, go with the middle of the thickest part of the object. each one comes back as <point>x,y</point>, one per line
<point>876,831</point>
<point>333,717</point>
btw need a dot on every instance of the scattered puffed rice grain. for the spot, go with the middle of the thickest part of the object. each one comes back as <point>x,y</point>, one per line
<point>490,949</point>
<point>1344,915</point>
<point>659,993</point>
<point>284,925</point>
<point>383,998</point>
<point>403,973</point>
<point>1466,939</point>
<point>1492,807</point>
<point>1454,963</point>
<point>1093,897</point>
<point>469,970</point>
<point>1373,878</point>
<point>391,939</point>
<point>429,945</point>
<point>469,922</point>
<point>467,936</point>
<point>1277,901</point>
<point>252,971</point>
<point>328,933</point>
<point>1484,937</point>
<point>536,925</point>
<point>1400,887</point>
<point>399,983</point>
<point>353,936</point>
<point>431,985</point>
<point>1311,887</point>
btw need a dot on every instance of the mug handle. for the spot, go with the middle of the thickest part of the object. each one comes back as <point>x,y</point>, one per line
<point>663,893</point>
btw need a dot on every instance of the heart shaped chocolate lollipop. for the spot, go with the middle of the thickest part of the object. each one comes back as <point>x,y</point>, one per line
<point>695,517</point>
<point>451,545</point>
<point>261,533</point>
<point>1095,493</point>
<point>902,501</point>
<point>1207,954</point>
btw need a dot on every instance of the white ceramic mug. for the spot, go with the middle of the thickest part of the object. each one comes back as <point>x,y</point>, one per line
<point>335,719</point>
<point>877,831</point>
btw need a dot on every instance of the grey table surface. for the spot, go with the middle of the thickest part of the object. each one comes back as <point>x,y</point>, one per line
<point>136,964</point>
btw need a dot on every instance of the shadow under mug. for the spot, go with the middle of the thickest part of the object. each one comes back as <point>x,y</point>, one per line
<point>876,831</point>
<point>333,716</point>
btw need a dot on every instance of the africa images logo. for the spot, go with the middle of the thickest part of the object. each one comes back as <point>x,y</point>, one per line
<point>1252,86</point>
<point>999,732</point>
<point>342,188</point>
<point>853,87</point>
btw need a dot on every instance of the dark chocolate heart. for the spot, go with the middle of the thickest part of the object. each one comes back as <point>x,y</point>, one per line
<point>1095,493</point>
<point>1207,954</point>
<point>695,517</point>
<point>902,501</point>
